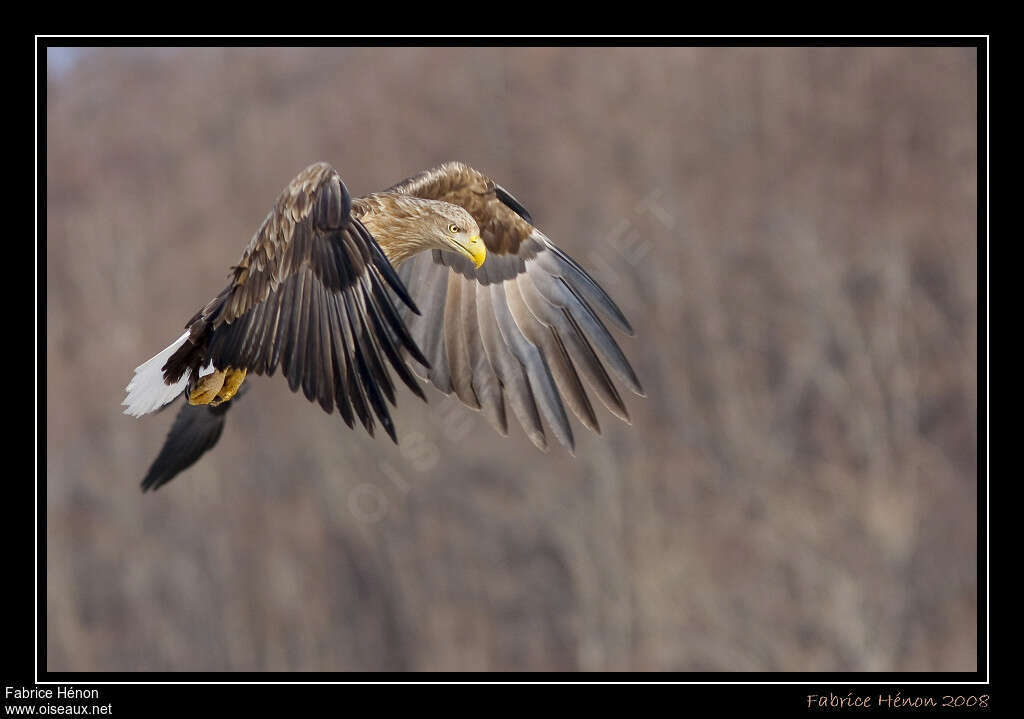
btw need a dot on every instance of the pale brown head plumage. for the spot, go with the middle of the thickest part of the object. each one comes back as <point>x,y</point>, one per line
<point>405,226</point>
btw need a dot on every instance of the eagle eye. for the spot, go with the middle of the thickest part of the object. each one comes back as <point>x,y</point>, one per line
<point>454,229</point>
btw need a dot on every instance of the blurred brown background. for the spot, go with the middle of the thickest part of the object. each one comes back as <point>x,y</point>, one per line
<point>792,233</point>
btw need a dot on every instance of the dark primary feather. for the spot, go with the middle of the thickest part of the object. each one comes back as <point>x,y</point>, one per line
<point>195,431</point>
<point>509,200</point>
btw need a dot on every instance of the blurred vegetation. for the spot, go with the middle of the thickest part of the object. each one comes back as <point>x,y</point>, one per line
<point>793,235</point>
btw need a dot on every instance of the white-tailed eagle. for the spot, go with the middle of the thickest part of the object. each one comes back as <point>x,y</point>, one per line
<point>443,276</point>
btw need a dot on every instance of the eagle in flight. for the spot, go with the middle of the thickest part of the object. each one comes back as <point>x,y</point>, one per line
<point>442,276</point>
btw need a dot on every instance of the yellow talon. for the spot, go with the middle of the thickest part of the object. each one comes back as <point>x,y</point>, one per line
<point>206,388</point>
<point>217,387</point>
<point>232,381</point>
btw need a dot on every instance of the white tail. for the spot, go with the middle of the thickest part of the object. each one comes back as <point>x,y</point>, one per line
<point>147,391</point>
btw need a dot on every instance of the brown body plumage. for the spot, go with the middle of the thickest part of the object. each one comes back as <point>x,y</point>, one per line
<point>482,304</point>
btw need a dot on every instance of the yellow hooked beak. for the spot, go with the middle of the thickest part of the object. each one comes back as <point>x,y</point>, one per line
<point>475,250</point>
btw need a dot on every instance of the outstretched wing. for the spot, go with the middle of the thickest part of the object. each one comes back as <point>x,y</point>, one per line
<point>310,293</point>
<point>522,329</point>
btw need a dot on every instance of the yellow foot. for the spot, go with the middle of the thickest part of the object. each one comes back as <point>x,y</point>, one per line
<point>207,388</point>
<point>232,381</point>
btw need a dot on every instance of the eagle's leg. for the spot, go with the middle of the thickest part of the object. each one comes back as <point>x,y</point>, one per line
<point>233,379</point>
<point>207,387</point>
